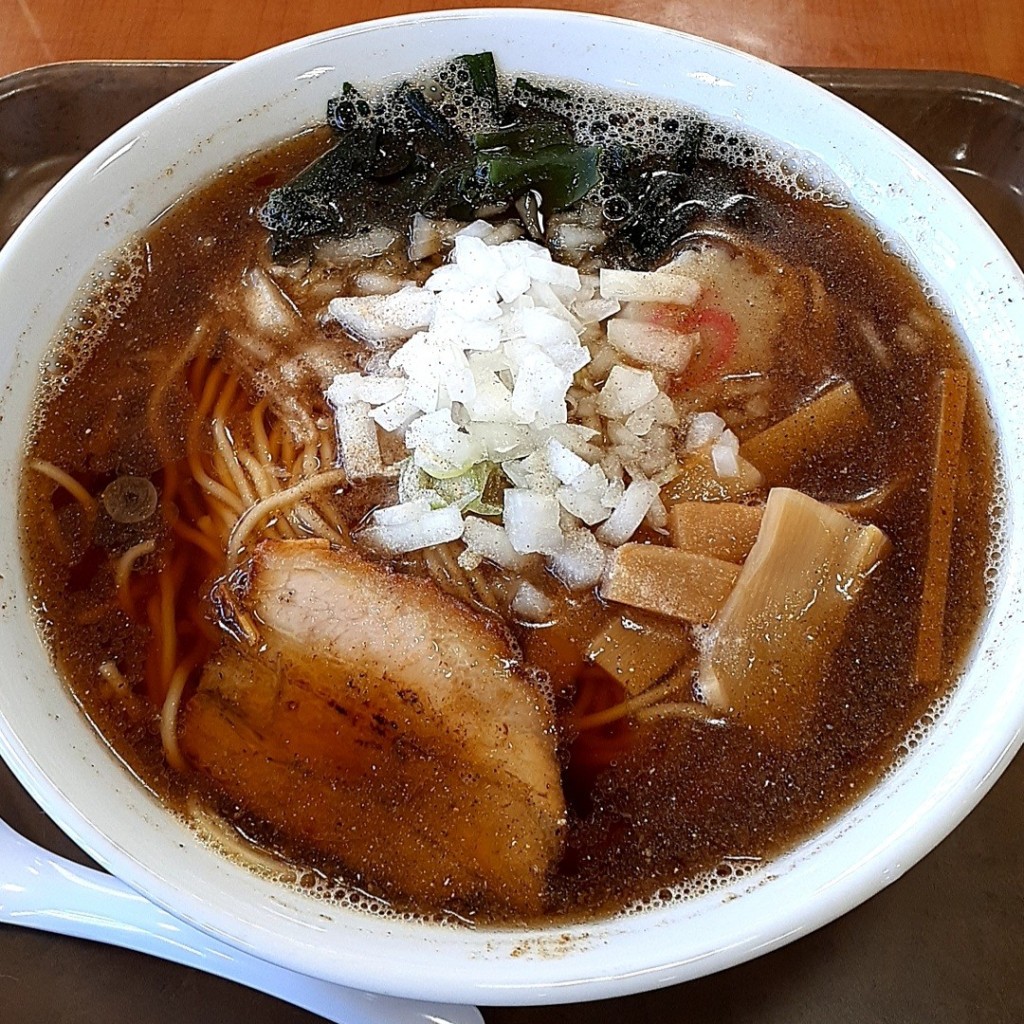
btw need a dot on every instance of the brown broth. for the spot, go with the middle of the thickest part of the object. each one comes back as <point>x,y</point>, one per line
<point>652,805</point>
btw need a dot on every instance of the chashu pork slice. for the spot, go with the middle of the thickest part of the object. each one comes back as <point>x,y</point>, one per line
<point>387,726</point>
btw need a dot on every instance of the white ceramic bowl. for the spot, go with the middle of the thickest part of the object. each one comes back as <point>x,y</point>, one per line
<point>127,181</point>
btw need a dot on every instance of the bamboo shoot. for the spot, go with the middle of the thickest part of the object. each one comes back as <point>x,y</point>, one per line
<point>786,614</point>
<point>636,653</point>
<point>668,581</point>
<point>698,481</point>
<point>945,470</point>
<point>831,418</point>
<point>722,529</point>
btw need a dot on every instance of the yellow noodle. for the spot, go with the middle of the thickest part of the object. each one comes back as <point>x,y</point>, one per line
<point>231,463</point>
<point>207,527</point>
<point>168,635</point>
<point>274,441</point>
<point>169,716</point>
<point>199,368</point>
<point>266,484</point>
<point>283,499</point>
<point>227,396</point>
<point>209,394</point>
<point>68,482</point>
<point>217,509</point>
<point>112,674</point>
<point>200,539</point>
<point>227,517</point>
<point>439,571</point>
<point>628,707</point>
<point>322,504</point>
<point>474,582</point>
<point>326,448</point>
<point>695,712</point>
<point>287,447</point>
<point>124,567</point>
<point>55,536</point>
<point>452,569</point>
<point>259,431</point>
<point>214,487</point>
<point>156,400</point>
<point>307,516</point>
<point>484,591</point>
<point>310,460</point>
<point>208,484</point>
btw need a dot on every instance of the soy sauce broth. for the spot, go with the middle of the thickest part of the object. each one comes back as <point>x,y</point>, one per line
<point>657,809</point>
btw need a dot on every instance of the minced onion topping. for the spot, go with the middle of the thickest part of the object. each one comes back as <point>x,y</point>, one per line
<point>482,382</point>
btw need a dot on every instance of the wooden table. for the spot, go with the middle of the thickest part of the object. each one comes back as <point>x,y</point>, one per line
<point>985,36</point>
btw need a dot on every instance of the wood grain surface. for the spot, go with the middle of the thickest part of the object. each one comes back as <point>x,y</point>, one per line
<point>985,36</point>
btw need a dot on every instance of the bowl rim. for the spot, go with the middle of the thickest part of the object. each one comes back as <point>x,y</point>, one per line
<point>488,981</point>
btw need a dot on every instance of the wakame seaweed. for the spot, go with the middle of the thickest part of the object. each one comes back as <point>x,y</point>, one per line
<point>408,154</point>
<point>525,92</point>
<point>483,75</point>
<point>562,175</point>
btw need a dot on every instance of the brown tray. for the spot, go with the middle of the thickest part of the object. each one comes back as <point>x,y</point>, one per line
<point>943,944</point>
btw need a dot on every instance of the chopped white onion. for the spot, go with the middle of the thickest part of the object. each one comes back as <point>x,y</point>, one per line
<point>379,319</point>
<point>650,344</point>
<point>530,604</point>
<point>579,562</point>
<point>576,238</point>
<point>269,308</point>
<point>476,229</point>
<point>665,285</point>
<point>507,232</point>
<point>704,429</point>
<point>439,447</point>
<point>625,390</point>
<point>576,437</point>
<point>396,414</point>
<point>565,464</point>
<point>372,282</point>
<point>424,238</point>
<point>592,311</point>
<point>356,247</point>
<point>725,455</point>
<point>404,512</point>
<point>532,521</point>
<point>629,513</point>
<point>585,498</point>
<point>490,540</point>
<point>491,344</point>
<point>533,473</point>
<point>434,527</point>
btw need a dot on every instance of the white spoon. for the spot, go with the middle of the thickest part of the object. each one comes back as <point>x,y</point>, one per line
<point>40,890</point>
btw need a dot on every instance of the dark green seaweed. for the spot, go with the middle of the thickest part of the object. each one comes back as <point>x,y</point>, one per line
<point>406,153</point>
<point>430,118</point>
<point>383,169</point>
<point>562,175</point>
<point>525,93</point>
<point>524,140</point>
<point>483,75</point>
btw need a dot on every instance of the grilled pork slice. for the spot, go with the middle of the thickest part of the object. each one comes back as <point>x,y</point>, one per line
<point>385,725</point>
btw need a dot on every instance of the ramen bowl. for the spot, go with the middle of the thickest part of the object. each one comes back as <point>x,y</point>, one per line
<point>120,188</point>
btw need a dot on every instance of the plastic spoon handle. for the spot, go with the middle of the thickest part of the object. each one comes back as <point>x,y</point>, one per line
<point>43,891</point>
